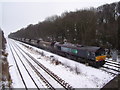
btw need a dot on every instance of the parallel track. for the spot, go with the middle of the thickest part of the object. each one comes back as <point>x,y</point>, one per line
<point>38,73</point>
<point>20,73</point>
<point>58,79</point>
<point>113,62</point>
<point>111,67</point>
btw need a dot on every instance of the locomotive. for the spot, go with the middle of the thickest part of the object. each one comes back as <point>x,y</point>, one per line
<point>92,55</point>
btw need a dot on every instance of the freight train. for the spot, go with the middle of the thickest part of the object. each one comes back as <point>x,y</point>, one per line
<point>90,55</point>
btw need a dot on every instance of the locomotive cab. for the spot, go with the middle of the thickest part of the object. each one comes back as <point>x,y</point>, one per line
<point>100,57</point>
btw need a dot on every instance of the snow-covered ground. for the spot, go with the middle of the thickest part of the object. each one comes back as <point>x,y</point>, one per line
<point>86,76</point>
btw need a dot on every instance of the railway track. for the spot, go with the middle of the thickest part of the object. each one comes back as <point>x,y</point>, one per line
<point>111,67</point>
<point>38,73</point>
<point>16,57</point>
<point>55,77</point>
<point>18,69</point>
<point>113,62</point>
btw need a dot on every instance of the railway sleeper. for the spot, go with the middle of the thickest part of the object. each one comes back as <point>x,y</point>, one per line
<point>48,71</point>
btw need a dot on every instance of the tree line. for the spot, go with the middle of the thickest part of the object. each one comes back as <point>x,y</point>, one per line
<point>94,26</point>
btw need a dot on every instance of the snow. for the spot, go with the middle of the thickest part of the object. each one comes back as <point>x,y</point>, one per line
<point>42,72</point>
<point>116,62</point>
<point>25,74</point>
<point>87,76</point>
<point>28,81</point>
<point>16,81</point>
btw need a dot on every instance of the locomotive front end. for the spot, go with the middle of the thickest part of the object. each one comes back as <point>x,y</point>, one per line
<point>100,57</point>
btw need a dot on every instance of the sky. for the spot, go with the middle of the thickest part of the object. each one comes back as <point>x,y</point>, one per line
<point>17,14</point>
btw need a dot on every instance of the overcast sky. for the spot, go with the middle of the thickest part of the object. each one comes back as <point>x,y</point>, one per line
<point>16,14</point>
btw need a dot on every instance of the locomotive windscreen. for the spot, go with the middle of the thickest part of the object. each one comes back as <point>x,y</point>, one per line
<point>100,52</point>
